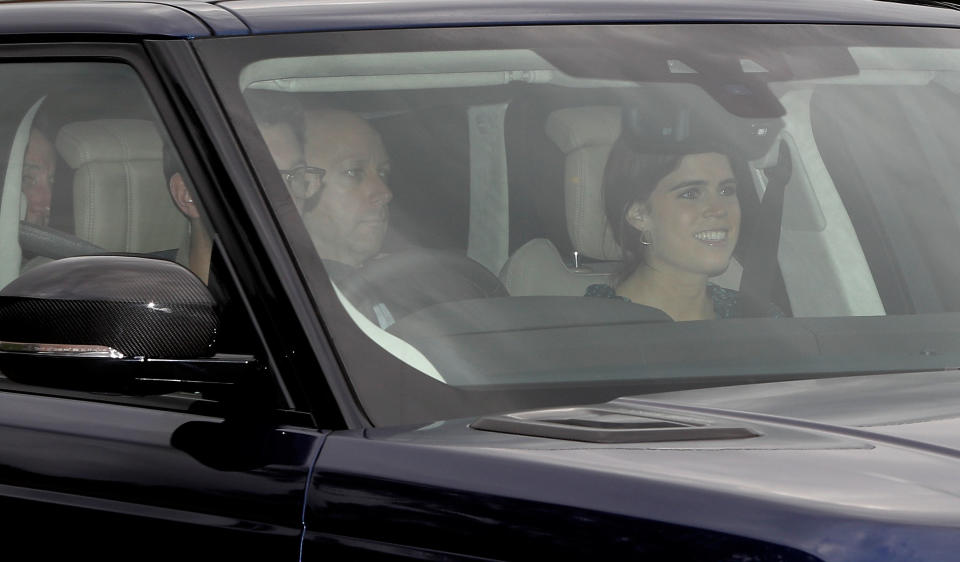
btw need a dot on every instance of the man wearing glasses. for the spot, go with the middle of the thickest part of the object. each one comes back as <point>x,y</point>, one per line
<point>281,124</point>
<point>342,194</point>
<point>348,212</point>
<point>282,128</point>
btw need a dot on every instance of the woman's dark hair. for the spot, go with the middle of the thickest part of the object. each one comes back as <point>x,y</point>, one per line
<point>631,176</point>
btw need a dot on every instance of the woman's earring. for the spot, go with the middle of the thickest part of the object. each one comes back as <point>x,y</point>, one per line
<point>642,241</point>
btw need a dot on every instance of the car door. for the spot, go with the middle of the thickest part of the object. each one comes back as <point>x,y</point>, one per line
<point>178,471</point>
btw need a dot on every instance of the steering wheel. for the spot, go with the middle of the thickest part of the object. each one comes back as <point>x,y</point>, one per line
<point>407,281</point>
<point>52,243</point>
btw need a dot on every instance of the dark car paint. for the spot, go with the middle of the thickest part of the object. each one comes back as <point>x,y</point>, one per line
<point>220,20</point>
<point>835,474</point>
<point>240,17</point>
<point>269,16</point>
<point>84,468</point>
<point>120,18</point>
<point>829,477</point>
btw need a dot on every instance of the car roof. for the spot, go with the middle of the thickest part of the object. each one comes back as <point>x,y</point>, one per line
<point>204,18</point>
<point>269,16</point>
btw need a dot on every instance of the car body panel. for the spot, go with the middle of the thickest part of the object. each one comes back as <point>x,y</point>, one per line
<point>164,469</point>
<point>840,470</point>
<point>220,20</point>
<point>188,19</point>
<point>118,18</point>
<point>835,482</point>
<point>268,16</point>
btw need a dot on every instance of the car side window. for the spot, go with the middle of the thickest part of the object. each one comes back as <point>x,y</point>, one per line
<point>85,163</point>
<point>90,170</point>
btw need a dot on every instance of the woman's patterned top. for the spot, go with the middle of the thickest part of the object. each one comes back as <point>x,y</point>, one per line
<point>724,300</point>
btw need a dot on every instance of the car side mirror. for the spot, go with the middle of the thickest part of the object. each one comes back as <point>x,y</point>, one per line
<point>113,323</point>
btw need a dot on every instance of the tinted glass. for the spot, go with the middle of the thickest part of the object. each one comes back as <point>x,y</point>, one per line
<point>525,216</point>
<point>89,169</point>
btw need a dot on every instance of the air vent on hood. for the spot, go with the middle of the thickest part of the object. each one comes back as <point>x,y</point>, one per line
<point>599,425</point>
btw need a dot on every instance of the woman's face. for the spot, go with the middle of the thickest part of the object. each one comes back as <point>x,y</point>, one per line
<point>692,217</point>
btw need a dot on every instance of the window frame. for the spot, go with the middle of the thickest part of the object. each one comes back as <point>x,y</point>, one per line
<point>165,91</point>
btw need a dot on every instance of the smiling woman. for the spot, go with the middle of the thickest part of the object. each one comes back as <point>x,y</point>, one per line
<point>677,219</point>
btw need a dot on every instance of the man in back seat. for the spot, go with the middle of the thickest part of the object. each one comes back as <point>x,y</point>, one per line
<point>39,167</point>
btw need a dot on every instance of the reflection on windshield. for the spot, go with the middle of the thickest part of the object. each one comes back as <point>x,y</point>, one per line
<point>667,205</point>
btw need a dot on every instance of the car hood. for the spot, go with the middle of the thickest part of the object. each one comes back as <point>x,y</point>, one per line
<point>918,411</point>
<point>852,468</point>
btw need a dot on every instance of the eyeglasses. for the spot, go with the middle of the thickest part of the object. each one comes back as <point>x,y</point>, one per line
<point>298,178</point>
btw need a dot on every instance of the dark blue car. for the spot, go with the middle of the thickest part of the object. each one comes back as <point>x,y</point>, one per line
<point>480,280</point>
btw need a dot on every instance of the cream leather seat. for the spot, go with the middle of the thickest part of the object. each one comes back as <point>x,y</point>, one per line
<point>121,199</point>
<point>585,135</point>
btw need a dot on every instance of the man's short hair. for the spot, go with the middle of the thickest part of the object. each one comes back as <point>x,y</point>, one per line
<point>171,162</point>
<point>267,108</point>
<point>41,123</point>
<point>273,108</point>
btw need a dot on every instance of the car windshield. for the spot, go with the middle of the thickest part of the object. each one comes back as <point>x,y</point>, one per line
<point>497,218</point>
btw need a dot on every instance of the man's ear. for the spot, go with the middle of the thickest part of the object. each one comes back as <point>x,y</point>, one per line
<point>637,216</point>
<point>182,197</point>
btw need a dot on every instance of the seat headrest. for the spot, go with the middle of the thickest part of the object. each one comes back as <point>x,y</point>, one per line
<point>586,135</point>
<point>121,199</point>
<point>108,140</point>
<point>578,127</point>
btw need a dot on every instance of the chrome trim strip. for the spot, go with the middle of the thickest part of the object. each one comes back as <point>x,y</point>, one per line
<point>62,349</point>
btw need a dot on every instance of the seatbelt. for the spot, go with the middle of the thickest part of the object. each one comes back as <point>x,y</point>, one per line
<point>760,256</point>
<point>489,235</point>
